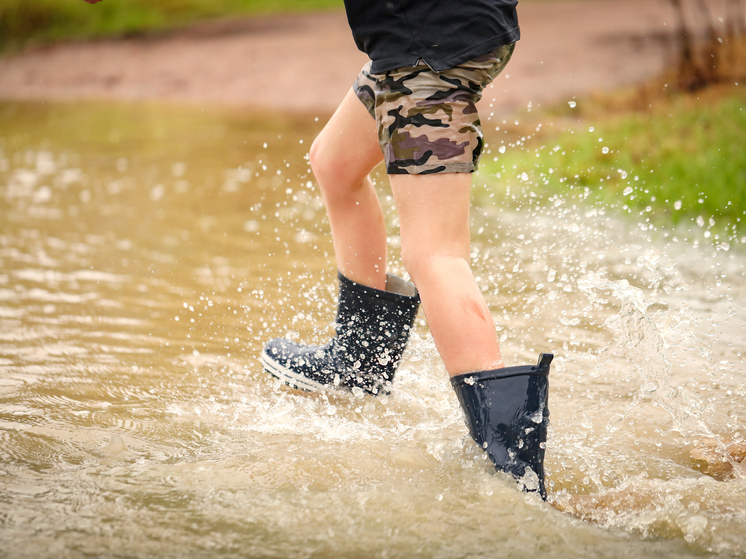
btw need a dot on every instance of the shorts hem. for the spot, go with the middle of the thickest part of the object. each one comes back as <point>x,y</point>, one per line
<point>431,169</point>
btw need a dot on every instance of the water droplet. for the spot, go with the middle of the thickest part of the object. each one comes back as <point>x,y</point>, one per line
<point>604,150</point>
<point>116,445</point>
<point>572,104</point>
<point>652,255</point>
<point>178,169</point>
<point>530,480</point>
<point>156,193</point>
<point>43,195</point>
<point>627,191</point>
<point>304,236</point>
<point>677,205</point>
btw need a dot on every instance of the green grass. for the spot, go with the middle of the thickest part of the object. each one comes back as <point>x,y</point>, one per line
<point>24,22</point>
<point>681,156</point>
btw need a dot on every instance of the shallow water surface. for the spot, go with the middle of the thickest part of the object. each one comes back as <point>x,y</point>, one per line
<point>147,252</point>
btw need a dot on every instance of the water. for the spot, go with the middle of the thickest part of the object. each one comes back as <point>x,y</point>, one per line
<point>146,253</point>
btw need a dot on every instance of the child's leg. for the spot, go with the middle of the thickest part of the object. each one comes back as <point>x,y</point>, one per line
<point>342,155</point>
<point>434,221</point>
<point>375,313</point>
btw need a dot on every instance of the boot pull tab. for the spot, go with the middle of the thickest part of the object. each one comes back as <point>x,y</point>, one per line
<point>544,360</point>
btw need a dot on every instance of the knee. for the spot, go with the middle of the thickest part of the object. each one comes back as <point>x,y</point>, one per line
<point>417,261</point>
<point>425,263</point>
<point>316,155</point>
<point>333,174</point>
<point>316,158</point>
<point>326,168</point>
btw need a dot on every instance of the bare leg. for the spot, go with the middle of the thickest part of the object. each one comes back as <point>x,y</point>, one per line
<point>342,156</point>
<point>434,218</point>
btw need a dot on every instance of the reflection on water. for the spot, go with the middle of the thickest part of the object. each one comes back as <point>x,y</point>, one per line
<point>146,253</point>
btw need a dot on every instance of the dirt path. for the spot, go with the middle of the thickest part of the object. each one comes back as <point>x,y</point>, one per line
<point>307,63</point>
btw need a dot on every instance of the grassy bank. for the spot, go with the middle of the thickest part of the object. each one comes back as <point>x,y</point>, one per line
<point>680,155</point>
<point>24,22</point>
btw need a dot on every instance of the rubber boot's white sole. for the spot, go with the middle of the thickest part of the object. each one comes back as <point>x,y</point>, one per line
<point>291,378</point>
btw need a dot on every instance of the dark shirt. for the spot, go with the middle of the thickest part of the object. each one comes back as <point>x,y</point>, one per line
<point>444,33</point>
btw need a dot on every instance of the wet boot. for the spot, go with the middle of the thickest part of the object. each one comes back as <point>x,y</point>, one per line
<point>507,415</point>
<point>372,331</point>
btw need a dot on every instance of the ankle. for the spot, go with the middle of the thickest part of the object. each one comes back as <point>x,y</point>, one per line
<point>374,279</point>
<point>487,365</point>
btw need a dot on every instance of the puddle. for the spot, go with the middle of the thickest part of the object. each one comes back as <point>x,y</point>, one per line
<point>147,252</point>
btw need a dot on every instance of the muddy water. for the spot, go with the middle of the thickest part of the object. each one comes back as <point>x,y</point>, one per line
<point>147,251</point>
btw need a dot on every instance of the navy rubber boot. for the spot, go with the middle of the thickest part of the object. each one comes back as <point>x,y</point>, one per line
<point>507,415</point>
<point>372,331</point>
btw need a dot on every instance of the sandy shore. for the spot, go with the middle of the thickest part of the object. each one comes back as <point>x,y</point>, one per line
<point>307,62</point>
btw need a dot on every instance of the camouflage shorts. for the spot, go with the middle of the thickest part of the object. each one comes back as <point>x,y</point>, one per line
<point>427,120</point>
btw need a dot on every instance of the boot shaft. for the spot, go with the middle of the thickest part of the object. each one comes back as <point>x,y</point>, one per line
<point>373,326</point>
<point>507,413</point>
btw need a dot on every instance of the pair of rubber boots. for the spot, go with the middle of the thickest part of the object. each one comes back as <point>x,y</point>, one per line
<point>505,409</point>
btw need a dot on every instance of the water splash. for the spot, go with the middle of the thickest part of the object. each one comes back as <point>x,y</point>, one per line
<point>111,408</point>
